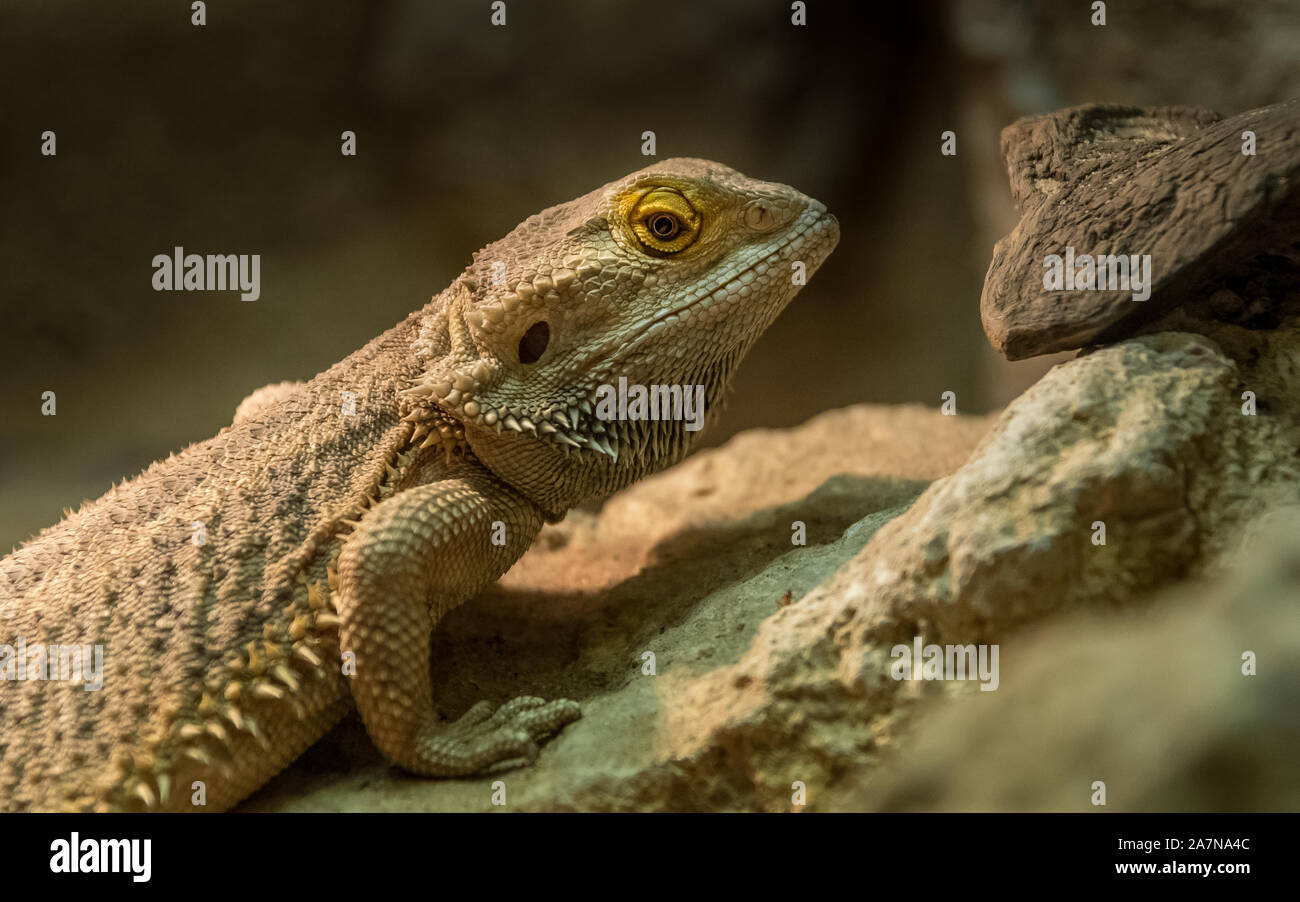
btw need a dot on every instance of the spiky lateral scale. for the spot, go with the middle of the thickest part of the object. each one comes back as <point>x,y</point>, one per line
<point>205,582</point>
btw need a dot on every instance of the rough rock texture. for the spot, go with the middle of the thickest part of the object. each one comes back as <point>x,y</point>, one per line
<point>1156,706</point>
<point>753,694</point>
<point>1168,182</point>
<point>1025,57</point>
<point>1146,436</point>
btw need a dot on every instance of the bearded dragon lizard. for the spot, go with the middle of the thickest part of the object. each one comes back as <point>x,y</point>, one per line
<point>249,589</point>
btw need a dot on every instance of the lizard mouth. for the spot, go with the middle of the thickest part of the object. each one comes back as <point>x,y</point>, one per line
<point>751,290</point>
<point>814,235</point>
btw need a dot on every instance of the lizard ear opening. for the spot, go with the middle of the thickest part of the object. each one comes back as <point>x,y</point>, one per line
<point>533,345</point>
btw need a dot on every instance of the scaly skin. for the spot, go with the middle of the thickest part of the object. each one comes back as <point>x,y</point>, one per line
<point>337,535</point>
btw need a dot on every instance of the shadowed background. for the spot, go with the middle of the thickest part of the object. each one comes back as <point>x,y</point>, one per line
<point>225,139</point>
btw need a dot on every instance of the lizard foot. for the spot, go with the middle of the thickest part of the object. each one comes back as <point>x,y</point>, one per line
<point>486,738</point>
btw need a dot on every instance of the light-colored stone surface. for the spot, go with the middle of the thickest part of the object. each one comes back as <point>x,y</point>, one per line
<point>1146,436</point>
<point>1156,706</point>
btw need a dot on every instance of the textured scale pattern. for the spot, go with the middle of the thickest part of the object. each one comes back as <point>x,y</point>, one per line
<point>343,517</point>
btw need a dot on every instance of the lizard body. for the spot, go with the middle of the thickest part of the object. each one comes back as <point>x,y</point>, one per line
<point>341,518</point>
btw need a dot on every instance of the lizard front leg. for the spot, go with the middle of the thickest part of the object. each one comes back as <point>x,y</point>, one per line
<point>412,559</point>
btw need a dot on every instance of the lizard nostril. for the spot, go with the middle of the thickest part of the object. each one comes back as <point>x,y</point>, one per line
<point>759,216</point>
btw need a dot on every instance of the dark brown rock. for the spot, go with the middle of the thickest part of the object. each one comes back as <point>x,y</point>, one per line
<point>1171,182</point>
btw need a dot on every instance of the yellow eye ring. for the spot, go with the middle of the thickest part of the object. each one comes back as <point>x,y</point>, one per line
<point>664,222</point>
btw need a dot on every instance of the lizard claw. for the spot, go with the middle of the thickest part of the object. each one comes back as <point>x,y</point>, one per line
<point>484,738</point>
<point>535,716</point>
<point>477,714</point>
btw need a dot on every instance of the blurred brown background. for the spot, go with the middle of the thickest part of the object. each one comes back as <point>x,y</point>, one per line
<point>225,139</point>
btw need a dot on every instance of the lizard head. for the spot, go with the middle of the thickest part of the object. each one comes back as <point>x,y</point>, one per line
<point>580,352</point>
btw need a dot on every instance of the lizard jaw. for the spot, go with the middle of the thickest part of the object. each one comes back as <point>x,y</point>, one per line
<point>570,423</point>
<point>734,287</point>
<point>814,235</point>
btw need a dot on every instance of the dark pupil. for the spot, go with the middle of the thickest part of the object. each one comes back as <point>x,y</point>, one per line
<point>664,226</point>
<point>534,342</point>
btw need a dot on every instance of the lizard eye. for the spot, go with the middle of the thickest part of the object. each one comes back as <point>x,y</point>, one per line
<point>665,226</point>
<point>533,345</point>
<point>664,222</point>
